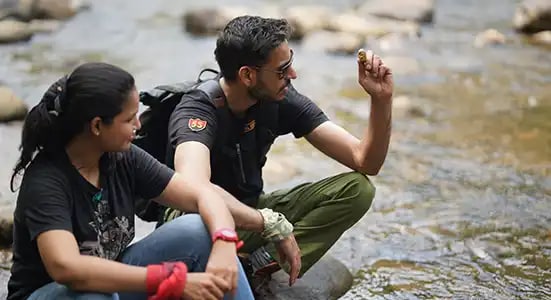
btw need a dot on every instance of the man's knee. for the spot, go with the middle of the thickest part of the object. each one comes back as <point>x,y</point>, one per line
<point>360,192</point>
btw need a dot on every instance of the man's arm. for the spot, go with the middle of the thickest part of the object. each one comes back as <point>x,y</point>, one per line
<point>368,155</point>
<point>365,156</point>
<point>192,161</point>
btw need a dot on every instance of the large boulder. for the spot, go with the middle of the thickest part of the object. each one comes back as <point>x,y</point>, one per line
<point>333,42</point>
<point>533,16</point>
<point>210,21</point>
<point>421,11</point>
<point>11,107</point>
<point>14,31</point>
<point>371,26</point>
<point>327,279</point>
<point>306,19</point>
<point>542,38</point>
<point>49,9</point>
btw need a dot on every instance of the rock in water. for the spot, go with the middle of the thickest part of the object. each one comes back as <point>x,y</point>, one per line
<point>14,31</point>
<point>533,16</point>
<point>11,107</point>
<point>328,279</point>
<point>421,11</point>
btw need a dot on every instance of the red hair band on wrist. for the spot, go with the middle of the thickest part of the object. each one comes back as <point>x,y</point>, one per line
<point>154,276</point>
<point>172,287</point>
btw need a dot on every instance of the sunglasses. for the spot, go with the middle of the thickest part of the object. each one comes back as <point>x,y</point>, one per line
<point>282,70</point>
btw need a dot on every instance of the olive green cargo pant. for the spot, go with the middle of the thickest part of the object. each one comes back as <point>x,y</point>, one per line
<point>320,212</point>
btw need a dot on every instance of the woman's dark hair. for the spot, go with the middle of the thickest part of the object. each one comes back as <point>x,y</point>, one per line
<point>91,90</point>
<point>248,41</point>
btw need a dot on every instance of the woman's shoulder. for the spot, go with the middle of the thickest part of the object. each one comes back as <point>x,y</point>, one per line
<point>45,168</point>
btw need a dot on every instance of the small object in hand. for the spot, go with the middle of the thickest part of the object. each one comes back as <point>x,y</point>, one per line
<point>362,55</point>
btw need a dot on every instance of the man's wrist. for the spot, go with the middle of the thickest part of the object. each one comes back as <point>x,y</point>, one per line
<point>276,226</point>
<point>381,100</point>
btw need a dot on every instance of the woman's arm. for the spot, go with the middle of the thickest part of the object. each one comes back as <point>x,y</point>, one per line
<point>197,197</point>
<point>60,255</point>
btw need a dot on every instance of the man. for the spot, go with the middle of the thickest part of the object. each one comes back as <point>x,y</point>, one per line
<point>226,140</point>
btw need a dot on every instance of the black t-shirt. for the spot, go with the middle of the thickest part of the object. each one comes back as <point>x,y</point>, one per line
<point>53,195</point>
<point>238,145</point>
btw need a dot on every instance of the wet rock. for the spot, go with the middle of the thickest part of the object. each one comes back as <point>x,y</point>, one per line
<point>11,107</point>
<point>406,10</point>
<point>333,42</point>
<point>14,31</point>
<point>328,279</point>
<point>49,9</point>
<point>542,38</point>
<point>44,26</point>
<point>489,37</point>
<point>4,277</point>
<point>371,26</point>
<point>533,16</point>
<point>306,19</point>
<point>6,258</point>
<point>405,106</point>
<point>210,21</point>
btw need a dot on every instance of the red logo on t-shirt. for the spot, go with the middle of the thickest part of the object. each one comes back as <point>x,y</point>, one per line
<point>196,124</point>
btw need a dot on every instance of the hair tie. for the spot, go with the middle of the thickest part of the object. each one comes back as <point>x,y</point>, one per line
<point>57,101</point>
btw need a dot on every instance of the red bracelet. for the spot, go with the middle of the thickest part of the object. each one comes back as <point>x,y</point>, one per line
<point>173,286</point>
<point>155,275</point>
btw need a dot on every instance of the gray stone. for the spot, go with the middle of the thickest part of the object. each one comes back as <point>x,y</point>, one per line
<point>405,10</point>
<point>306,19</point>
<point>328,279</point>
<point>371,26</point>
<point>11,107</point>
<point>533,16</point>
<point>210,21</point>
<point>49,9</point>
<point>489,37</point>
<point>333,42</point>
<point>542,38</point>
<point>14,31</point>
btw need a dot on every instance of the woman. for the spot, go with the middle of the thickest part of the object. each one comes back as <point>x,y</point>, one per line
<point>74,217</point>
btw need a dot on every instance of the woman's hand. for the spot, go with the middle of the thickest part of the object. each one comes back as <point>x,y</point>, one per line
<point>204,286</point>
<point>223,263</point>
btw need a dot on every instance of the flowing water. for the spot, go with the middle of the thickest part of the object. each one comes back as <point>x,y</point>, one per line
<point>463,204</point>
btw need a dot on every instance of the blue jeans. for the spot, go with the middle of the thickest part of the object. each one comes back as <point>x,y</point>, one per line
<point>183,239</point>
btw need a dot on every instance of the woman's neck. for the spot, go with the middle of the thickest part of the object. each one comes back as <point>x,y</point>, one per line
<point>85,157</point>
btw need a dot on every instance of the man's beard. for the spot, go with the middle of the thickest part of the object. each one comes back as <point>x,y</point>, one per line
<point>260,94</point>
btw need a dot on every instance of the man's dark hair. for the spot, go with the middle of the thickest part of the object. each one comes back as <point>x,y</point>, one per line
<point>248,41</point>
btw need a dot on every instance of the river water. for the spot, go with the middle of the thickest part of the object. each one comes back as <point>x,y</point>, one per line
<point>463,205</point>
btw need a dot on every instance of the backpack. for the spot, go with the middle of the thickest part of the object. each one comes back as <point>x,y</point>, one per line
<point>153,134</point>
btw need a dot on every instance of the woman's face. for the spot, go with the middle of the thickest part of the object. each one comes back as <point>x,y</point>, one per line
<point>118,135</point>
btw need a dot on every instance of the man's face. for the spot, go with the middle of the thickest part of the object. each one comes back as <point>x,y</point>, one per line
<point>274,76</point>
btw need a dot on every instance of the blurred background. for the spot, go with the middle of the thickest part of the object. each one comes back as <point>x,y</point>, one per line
<point>463,204</point>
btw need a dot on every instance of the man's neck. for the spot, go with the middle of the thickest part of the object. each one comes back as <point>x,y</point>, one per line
<point>237,97</point>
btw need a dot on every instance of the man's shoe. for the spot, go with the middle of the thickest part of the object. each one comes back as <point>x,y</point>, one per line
<point>262,263</point>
